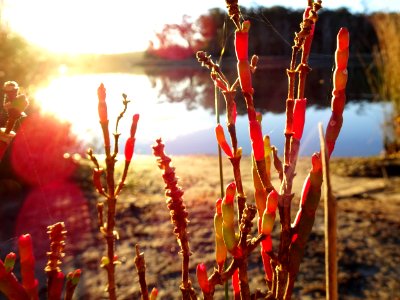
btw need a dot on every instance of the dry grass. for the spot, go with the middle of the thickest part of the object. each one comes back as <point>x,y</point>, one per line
<point>384,80</point>
<point>387,57</point>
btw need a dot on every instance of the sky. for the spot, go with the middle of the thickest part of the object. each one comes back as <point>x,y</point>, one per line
<point>105,26</point>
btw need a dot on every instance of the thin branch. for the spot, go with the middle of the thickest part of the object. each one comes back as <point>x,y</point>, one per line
<point>125,103</point>
<point>141,270</point>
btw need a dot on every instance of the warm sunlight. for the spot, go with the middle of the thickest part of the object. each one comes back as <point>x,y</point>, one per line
<point>92,26</point>
<point>156,118</point>
<point>83,26</point>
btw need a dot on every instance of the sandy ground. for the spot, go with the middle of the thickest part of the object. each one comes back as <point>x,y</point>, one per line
<point>368,230</point>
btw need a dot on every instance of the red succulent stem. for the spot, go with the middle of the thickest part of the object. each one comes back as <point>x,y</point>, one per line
<point>55,285</point>
<point>128,151</point>
<point>293,132</point>
<point>304,221</point>
<point>339,87</point>
<point>299,115</point>
<point>153,294</point>
<point>257,142</point>
<point>72,282</point>
<point>235,285</point>
<point>202,279</point>
<point>103,116</point>
<point>10,286</point>
<point>288,130</point>
<point>27,260</point>
<point>220,135</point>
<point>219,278</point>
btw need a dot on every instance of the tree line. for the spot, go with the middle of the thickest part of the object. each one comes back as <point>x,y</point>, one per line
<point>272,32</point>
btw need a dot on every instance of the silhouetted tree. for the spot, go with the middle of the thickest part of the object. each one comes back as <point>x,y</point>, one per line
<point>180,41</point>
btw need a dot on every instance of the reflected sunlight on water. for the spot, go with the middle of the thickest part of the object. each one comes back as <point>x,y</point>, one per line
<point>74,99</point>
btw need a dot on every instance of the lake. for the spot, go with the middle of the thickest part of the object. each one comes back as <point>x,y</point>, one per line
<point>178,105</point>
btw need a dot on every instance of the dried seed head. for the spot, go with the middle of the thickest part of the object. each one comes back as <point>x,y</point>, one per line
<point>173,193</point>
<point>57,243</point>
<point>204,59</point>
<point>233,11</point>
<point>248,215</point>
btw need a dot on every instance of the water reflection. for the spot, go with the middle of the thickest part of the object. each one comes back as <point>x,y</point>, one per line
<point>74,99</point>
<point>192,84</point>
<point>361,133</point>
<point>178,106</point>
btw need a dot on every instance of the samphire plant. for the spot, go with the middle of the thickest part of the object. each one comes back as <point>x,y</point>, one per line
<point>235,214</point>
<point>57,284</point>
<point>15,104</point>
<point>282,262</point>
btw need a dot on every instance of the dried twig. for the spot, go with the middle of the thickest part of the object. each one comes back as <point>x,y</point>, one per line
<point>178,216</point>
<point>141,270</point>
<point>330,213</point>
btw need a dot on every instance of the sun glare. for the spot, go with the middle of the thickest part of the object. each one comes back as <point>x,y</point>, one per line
<point>84,26</point>
<point>100,26</point>
<point>74,99</point>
